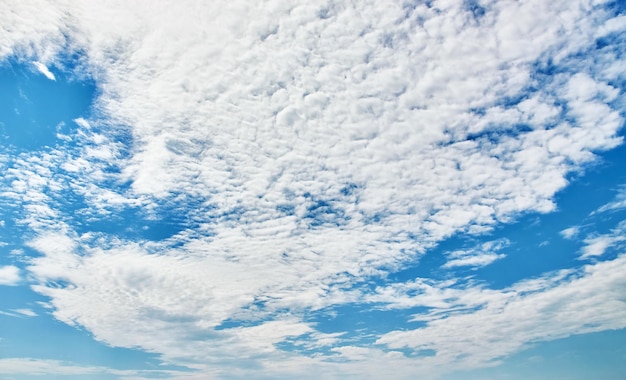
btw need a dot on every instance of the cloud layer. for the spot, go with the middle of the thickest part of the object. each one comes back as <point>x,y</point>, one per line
<point>290,153</point>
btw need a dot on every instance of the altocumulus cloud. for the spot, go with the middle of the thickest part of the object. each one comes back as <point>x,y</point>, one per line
<point>306,148</point>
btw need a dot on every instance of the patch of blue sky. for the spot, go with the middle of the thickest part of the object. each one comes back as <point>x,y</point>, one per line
<point>35,109</point>
<point>320,211</point>
<point>13,234</point>
<point>21,297</point>
<point>231,323</point>
<point>300,346</point>
<point>616,8</point>
<point>493,136</point>
<point>253,314</point>
<point>473,6</point>
<point>8,226</point>
<point>363,323</point>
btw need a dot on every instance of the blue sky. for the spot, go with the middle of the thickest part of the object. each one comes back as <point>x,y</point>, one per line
<point>428,189</point>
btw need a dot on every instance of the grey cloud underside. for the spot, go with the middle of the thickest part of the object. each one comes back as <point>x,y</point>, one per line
<point>319,145</point>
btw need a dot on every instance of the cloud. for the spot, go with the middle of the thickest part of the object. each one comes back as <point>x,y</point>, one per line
<point>598,245</point>
<point>47,367</point>
<point>617,204</point>
<point>289,153</point>
<point>9,275</point>
<point>479,256</point>
<point>499,323</point>
<point>44,70</point>
<point>570,233</point>
<point>82,123</point>
<point>25,312</point>
<point>19,313</point>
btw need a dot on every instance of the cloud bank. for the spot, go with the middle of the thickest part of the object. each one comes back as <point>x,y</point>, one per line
<point>295,151</point>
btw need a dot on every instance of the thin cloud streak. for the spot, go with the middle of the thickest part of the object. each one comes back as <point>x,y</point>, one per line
<point>44,70</point>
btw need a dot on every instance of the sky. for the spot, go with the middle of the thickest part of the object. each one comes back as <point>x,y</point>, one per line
<point>429,189</point>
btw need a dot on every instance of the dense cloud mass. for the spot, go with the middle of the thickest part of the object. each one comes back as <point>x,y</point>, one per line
<point>297,151</point>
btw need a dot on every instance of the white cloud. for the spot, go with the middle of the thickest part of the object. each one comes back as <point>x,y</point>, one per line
<point>499,323</point>
<point>302,147</point>
<point>44,70</point>
<point>19,313</point>
<point>613,25</point>
<point>82,123</point>
<point>25,312</point>
<point>473,260</point>
<point>570,232</point>
<point>47,367</point>
<point>617,204</point>
<point>479,256</point>
<point>9,275</point>
<point>597,245</point>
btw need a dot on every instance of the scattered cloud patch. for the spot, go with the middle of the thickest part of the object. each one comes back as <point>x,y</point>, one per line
<point>502,322</point>
<point>478,256</point>
<point>25,312</point>
<point>617,204</point>
<point>19,313</point>
<point>598,245</point>
<point>82,123</point>
<point>9,275</point>
<point>570,232</point>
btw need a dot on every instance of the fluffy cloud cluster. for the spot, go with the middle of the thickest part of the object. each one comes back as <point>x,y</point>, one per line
<point>9,275</point>
<point>304,148</point>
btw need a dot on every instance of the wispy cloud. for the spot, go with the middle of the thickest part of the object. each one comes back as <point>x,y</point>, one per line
<point>47,367</point>
<point>44,70</point>
<point>497,323</point>
<point>598,245</point>
<point>570,232</point>
<point>479,256</point>
<point>19,313</point>
<point>617,204</point>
